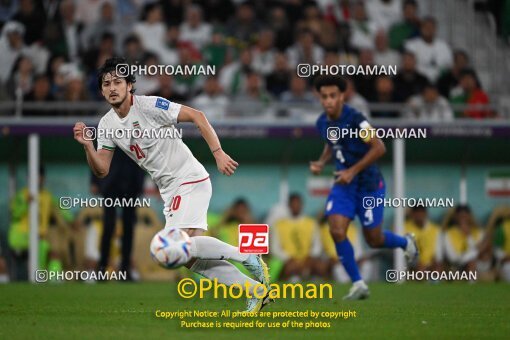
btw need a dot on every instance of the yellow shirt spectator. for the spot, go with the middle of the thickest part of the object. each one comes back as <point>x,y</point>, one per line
<point>461,248</point>
<point>296,237</point>
<point>48,210</point>
<point>428,240</point>
<point>502,238</point>
<point>459,240</point>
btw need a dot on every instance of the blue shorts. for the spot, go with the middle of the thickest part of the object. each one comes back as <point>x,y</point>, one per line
<point>347,201</point>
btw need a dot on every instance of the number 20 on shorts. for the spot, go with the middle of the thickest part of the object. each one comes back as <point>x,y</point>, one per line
<point>175,203</point>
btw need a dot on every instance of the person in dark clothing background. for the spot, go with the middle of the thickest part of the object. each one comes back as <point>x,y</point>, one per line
<point>125,180</point>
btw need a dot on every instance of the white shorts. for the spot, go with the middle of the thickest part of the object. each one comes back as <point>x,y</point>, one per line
<point>187,206</point>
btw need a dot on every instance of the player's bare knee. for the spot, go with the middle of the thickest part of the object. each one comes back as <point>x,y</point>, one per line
<point>338,227</point>
<point>338,233</point>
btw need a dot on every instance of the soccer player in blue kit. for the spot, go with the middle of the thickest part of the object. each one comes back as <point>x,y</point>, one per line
<point>357,178</point>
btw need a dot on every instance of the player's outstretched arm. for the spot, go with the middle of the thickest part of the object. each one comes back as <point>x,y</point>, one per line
<point>317,166</point>
<point>226,165</point>
<point>99,161</point>
<point>376,150</point>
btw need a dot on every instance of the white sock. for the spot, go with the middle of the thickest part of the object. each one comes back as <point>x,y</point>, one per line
<point>210,248</point>
<point>225,272</point>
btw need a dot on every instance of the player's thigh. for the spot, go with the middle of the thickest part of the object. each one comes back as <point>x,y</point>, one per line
<point>371,213</point>
<point>341,200</point>
<point>368,209</point>
<point>187,208</point>
<point>340,209</point>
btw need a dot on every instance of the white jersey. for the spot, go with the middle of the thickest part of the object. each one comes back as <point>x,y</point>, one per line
<point>169,161</point>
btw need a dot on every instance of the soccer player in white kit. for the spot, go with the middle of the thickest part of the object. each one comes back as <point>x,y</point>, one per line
<point>183,182</point>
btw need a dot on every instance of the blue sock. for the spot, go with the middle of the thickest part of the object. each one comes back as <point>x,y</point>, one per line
<point>346,255</point>
<point>392,240</point>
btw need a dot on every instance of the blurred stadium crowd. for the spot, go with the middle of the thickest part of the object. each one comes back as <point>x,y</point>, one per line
<point>50,51</point>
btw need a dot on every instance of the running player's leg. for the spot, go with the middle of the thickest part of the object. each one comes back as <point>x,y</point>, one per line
<point>191,212</point>
<point>223,270</point>
<point>197,234</point>
<point>338,226</point>
<point>209,254</point>
<point>187,209</point>
<point>340,209</point>
<point>210,248</point>
<point>226,273</point>
<point>378,238</point>
<point>371,218</point>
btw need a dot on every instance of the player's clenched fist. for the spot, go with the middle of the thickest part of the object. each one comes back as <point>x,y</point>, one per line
<point>226,165</point>
<point>78,131</point>
<point>316,167</point>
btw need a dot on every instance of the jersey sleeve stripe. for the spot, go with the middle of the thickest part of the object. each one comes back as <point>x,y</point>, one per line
<point>109,148</point>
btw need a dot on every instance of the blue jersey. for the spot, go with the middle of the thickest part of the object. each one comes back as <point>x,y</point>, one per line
<point>348,150</point>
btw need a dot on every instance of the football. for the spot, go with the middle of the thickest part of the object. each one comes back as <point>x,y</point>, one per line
<point>170,248</point>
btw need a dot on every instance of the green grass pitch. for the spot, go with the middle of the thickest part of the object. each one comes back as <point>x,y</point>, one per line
<point>127,311</point>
